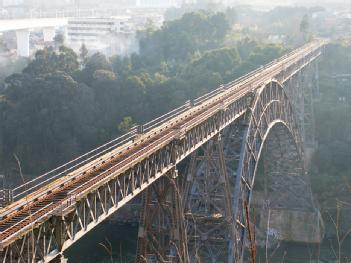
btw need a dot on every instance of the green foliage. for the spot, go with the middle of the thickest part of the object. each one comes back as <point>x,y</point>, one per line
<point>39,118</point>
<point>59,40</point>
<point>264,54</point>
<point>174,13</point>
<point>83,54</point>
<point>47,61</point>
<point>126,124</point>
<point>104,75</point>
<point>98,61</point>
<point>305,24</point>
<point>179,39</point>
<point>221,61</point>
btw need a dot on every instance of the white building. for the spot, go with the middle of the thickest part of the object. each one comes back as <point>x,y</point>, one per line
<point>113,35</point>
<point>157,3</point>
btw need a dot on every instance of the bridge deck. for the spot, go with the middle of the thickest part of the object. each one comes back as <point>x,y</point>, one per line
<point>32,23</point>
<point>34,207</point>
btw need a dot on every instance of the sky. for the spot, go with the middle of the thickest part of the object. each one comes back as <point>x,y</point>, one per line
<point>117,2</point>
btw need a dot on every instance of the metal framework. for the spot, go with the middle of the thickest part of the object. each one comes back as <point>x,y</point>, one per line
<point>162,208</point>
<point>208,202</point>
<point>182,219</point>
<point>272,109</point>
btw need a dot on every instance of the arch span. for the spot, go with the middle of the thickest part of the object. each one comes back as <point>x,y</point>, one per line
<point>222,173</point>
<point>273,132</point>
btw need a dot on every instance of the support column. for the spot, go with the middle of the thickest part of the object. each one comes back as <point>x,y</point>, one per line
<point>49,34</point>
<point>161,236</point>
<point>23,43</point>
<point>208,198</point>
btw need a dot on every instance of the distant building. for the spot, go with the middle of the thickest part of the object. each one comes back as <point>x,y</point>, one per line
<point>157,3</point>
<point>113,35</point>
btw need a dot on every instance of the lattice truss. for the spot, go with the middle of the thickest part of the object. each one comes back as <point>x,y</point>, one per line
<point>208,196</point>
<point>162,223</point>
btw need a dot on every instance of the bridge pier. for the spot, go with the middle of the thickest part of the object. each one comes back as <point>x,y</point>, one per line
<point>282,194</point>
<point>23,48</point>
<point>292,225</point>
<point>23,42</point>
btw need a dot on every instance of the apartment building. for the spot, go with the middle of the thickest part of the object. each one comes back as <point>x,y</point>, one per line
<point>107,34</point>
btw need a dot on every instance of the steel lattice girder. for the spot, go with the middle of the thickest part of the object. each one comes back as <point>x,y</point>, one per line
<point>93,205</point>
<point>208,201</point>
<point>161,234</point>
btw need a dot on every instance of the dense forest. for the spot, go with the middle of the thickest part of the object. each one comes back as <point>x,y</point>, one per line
<point>63,104</point>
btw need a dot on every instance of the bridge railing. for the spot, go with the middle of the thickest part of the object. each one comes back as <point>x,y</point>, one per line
<point>166,117</point>
<point>45,179</point>
<point>6,197</point>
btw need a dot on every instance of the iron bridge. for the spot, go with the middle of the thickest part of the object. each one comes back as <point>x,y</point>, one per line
<point>195,168</point>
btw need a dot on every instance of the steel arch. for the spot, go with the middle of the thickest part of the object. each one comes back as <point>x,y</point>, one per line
<point>271,106</point>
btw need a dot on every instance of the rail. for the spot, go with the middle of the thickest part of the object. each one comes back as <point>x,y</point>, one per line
<point>166,117</point>
<point>66,168</point>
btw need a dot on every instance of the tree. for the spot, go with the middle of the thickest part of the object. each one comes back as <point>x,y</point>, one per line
<point>180,39</point>
<point>44,62</point>
<point>47,61</point>
<point>67,60</point>
<point>266,53</point>
<point>223,61</point>
<point>305,25</point>
<point>39,118</point>
<point>126,124</point>
<point>83,55</point>
<point>95,62</point>
<point>104,75</point>
<point>59,40</point>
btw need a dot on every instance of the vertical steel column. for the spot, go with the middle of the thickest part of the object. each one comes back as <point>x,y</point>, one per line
<point>208,196</point>
<point>161,236</point>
